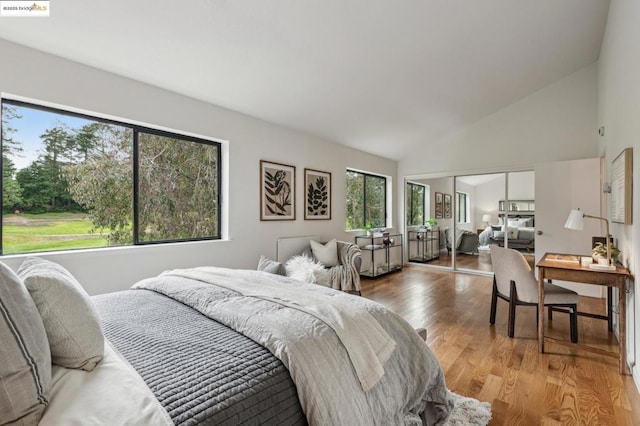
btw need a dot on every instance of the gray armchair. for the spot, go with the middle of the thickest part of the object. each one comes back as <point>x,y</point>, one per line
<point>514,282</point>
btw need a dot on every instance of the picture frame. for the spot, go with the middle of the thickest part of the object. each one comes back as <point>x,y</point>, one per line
<point>317,195</point>
<point>621,191</point>
<point>438,207</point>
<point>277,191</point>
<point>447,206</point>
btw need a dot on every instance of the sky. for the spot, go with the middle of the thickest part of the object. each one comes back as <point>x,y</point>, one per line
<point>30,126</point>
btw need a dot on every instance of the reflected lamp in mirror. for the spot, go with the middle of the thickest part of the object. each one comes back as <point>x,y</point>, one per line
<point>575,221</point>
<point>486,218</point>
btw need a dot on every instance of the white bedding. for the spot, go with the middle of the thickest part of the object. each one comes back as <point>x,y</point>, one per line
<point>409,385</point>
<point>112,394</point>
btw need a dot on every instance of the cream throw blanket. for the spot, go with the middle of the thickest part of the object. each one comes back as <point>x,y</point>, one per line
<point>367,344</point>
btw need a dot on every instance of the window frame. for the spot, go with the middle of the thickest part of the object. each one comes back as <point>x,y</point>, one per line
<point>466,211</point>
<point>136,129</point>
<point>424,203</point>
<point>364,196</point>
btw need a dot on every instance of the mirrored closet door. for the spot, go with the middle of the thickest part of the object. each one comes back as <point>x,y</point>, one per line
<point>471,213</point>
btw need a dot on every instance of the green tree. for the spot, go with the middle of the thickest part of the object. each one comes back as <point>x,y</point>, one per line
<point>11,191</point>
<point>177,193</point>
<point>36,186</point>
<point>103,182</point>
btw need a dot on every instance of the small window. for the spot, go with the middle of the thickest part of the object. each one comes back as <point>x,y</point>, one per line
<point>366,200</point>
<point>415,204</point>
<point>462,207</point>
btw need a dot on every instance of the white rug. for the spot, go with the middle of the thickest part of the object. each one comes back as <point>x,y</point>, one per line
<point>468,412</point>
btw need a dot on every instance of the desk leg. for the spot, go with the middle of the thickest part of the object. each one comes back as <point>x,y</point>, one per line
<point>622,322</point>
<point>610,308</point>
<point>541,310</point>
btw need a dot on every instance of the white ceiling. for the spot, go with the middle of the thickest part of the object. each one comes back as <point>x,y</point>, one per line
<point>379,75</point>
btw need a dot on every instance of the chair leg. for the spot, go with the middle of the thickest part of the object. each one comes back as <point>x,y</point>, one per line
<point>512,309</point>
<point>494,302</point>
<point>573,317</point>
<point>550,313</point>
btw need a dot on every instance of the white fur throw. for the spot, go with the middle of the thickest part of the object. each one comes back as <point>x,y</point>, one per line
<point>303,268</point>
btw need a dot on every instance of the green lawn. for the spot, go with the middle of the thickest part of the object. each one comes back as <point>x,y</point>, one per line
<point>23,233</point>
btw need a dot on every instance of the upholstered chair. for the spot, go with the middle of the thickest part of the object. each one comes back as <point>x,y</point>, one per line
<point>514,281</point>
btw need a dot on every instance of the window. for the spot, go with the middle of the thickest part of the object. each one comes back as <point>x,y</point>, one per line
<point>462,207</point>
<point>415,204</point>
<point>75,181</point>
<point>366,200</point>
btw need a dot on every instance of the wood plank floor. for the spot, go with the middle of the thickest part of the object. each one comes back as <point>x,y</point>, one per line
<point>564,386</point>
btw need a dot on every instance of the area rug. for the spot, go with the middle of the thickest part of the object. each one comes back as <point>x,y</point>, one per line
<point>468,412</point>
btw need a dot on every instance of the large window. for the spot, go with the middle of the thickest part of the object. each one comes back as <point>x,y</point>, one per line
<point>463,212</point>
<point>366,200</point>
<point>415,204</point>
<point>74,181</point>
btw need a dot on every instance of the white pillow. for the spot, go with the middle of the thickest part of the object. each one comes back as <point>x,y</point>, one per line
<point>70,319</point>
<point>303,268</point>
<point>25,361</point>
<point>512,231</point>
<point>326,254</point>
<point>268,265</point>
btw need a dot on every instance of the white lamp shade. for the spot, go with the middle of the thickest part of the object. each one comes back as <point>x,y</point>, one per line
<point>575,220</point>
<point>486,217</point>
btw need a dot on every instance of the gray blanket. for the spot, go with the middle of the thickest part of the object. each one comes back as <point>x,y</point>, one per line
<point>328,387</point>
<point>201,371</point>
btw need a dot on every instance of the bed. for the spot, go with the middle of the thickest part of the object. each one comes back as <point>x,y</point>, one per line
<point>520,233</point>
<point>219,346</point>
<point>464,241</point>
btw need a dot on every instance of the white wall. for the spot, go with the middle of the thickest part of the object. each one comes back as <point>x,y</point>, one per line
<point>619,113</point>
<point>33,74</point>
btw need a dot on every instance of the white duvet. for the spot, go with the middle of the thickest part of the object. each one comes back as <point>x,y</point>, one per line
<point>112,394</point>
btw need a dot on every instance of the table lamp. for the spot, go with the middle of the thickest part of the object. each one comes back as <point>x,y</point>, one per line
<point>576,221</point>
<point>486,218</point>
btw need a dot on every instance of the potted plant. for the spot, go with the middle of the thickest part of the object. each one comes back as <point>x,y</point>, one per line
<point>600,252</point>
<point>431,223</point>
<point>368,228</point>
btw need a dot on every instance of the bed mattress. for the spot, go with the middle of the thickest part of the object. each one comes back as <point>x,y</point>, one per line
<point>201,371</point>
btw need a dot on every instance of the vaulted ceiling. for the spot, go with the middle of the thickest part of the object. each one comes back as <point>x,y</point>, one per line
<point>379,75</point>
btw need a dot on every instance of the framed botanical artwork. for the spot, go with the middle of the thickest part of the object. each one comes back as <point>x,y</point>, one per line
<point>438,205</point>
<point>447,206</point>
<point>317,195</point>
<point>621,191</point>
<point>277,191</point>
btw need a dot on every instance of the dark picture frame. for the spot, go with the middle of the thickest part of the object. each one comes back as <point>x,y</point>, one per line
<point>621,199</point>
<point>438,207</point>
<point>277,191</point>
<point>447,206</point>
<point>317,195</point>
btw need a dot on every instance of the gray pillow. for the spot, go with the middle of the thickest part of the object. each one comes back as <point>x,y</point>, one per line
<point>267,265</point>
<point>25,360</point>
<point>70,319</point>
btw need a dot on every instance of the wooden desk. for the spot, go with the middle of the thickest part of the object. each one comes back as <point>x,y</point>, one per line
<point>575,272</point>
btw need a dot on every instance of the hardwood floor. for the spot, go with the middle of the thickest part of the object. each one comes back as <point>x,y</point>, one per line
<point>564,386</point>
<point>476,262</point>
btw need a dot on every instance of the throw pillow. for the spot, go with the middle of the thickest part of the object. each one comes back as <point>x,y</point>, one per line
<point>70,319</point>
<point>25,366</point>
<point>267,265</point>
<point>303,268</point>
<point>326,254</point>
<point>512,232</point>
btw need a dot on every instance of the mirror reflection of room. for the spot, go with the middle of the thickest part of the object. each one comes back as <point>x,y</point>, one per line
<point>429,212</point>
<point>485,210</point>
